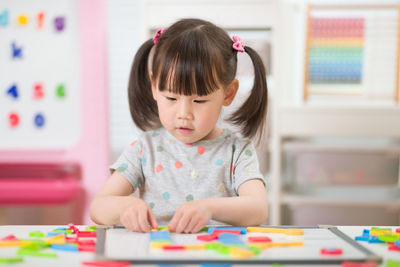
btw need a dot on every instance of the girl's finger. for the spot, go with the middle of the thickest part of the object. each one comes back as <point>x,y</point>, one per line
<point>175,219</point>
<point>152,219</point>
<point>182,224</point>
<point>133,222</point>
<point>190,225</point>
<point>128,222</point>
<point>143,222</point>
<point>124,223</point>
<point>199,225</point>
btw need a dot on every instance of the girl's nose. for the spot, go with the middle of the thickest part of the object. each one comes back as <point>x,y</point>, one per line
<point>185,111</point>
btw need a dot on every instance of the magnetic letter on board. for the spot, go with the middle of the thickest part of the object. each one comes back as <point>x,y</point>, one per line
<point>4,18</point>
<point>40,18</point>
<point>13,91</point>
<point>16,51</point>
<point>59,23</point>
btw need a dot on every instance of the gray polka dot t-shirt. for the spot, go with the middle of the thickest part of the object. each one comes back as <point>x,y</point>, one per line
<point>168,173</point>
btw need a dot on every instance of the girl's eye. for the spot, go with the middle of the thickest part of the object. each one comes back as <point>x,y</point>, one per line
<point>171,98</point>
<point>200,101</point>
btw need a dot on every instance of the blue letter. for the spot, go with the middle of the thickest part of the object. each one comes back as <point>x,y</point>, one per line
<point>16,51</point>
<point>13,91</point>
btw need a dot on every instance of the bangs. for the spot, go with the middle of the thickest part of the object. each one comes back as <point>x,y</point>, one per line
<point>185,67</point>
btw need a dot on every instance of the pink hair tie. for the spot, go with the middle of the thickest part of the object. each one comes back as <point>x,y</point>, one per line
<point>158,34</point>
<point>238,44</point>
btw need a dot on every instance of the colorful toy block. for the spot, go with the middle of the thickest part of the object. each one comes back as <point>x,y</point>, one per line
<point>286,231</point>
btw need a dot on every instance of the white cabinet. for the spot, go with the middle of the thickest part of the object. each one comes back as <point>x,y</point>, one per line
<point>348,132</point>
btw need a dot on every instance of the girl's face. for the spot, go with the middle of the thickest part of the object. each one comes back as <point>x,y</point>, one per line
<point>193,118</point>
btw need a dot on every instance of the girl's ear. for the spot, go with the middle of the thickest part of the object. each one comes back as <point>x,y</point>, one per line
<point>153,86</point>
<point>230,92</point>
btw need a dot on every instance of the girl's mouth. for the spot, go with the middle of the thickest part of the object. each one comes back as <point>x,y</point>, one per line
<point>184,130</point>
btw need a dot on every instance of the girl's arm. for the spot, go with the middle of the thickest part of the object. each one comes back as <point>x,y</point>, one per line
<point>113,204</point>
<point>249,208</point>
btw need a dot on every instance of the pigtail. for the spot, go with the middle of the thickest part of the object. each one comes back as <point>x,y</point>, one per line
<point>251,115</point>
<point>142,105</point>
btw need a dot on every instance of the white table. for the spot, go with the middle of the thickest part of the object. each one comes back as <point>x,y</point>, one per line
<point>71,259</point>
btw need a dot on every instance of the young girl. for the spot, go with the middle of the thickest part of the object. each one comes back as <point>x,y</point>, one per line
<point>189,172</point>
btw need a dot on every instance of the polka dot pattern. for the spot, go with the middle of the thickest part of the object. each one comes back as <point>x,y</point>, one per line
<point>166,195</point>
<point>189,197</point>
<point>166,217</point>
<point>178,164</point>
<point>201,149</point>
<point>195,174</point>
<point>219,162</point>
<point>159,168</point>
<point>122,167</point>
<point>180,169</point>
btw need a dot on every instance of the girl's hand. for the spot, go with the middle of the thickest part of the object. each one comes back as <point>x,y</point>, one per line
<point>138,217</point>
<point>191,217</point>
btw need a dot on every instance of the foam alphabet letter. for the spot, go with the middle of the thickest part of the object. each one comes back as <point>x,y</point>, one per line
<point>39,120</point>
<point>38,91</point>
<point>22,20</point>
<point>13,119</point>
<point>13,91</point>
<point>4,18</point>
<point>16,51</point>
<point>59,23</point>
<point>40,18</point>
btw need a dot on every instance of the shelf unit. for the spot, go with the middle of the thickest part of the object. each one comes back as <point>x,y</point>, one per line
<point>296,119</point>
<point>312,122</point>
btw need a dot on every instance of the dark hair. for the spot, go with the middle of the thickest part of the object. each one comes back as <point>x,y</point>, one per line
<point>194,56</point>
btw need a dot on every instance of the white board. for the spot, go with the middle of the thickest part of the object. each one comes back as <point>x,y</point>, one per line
<point>121,244</point>
<point>48,40</point>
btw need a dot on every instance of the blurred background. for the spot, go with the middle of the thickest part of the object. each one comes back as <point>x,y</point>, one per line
<point>330,151</point>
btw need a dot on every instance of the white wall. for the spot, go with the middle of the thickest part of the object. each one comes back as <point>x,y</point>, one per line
<point>124,38</point>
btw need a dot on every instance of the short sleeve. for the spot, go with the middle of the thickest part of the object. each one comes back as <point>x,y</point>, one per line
<point>245,166</point>
<point>129,164</point>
